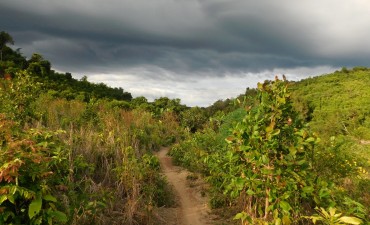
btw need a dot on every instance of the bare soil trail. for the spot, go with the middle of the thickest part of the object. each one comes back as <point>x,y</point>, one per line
<point>193,208</point>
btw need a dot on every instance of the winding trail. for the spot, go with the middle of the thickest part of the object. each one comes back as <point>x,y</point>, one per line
<point>193,209</point>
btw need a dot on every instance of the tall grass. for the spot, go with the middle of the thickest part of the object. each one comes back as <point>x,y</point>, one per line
<point>115,177</point>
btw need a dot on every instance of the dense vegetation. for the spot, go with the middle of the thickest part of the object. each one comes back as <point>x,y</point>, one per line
<point>290,149</point>
<point>82,158</point>
<point>57,84</point>
<point>74,152</point>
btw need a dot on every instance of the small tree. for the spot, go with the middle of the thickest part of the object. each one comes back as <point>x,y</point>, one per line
<point>193,118</point>
<point>32,166</point>
<point>5,38</point>
<point>17,96</point>
<point>38,65</point>
<point>270,159</point>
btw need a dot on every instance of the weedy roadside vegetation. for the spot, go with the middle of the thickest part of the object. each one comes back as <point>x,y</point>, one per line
<point>271,168</point>
<point>73,152</point>
<point>75,162</point>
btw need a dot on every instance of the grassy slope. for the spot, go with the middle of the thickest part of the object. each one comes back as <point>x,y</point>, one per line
<point>337,103</point>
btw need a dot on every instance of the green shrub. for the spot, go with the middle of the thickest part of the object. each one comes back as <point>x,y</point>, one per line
<point>17,96</point>
<point>33,166</point>
<point>270,160</point>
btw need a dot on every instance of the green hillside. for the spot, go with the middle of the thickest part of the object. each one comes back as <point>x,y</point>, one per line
<point>332,108</point>
<point>337,107</point>
<point>337,103</point>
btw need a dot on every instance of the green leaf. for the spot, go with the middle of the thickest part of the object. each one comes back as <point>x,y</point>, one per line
<point>350,220</point>
<point>12,190</point>
<point>6,215</point>
<point>3,198</point>
<point>308,189</point>
<point>286,220</point>
<point>323,193</point>
<point>322,211</point>
<point>59,216</point>
<point>240,216</point>
<point>101,204</point>
<point>50,220</point>
<point>276,132</point>
<point>11,199</point>
<point>301,162</point>
<point>264,159</point>
<point>35,206</point>
<point>250,192</point>
<point>310,139</point>
<point>285,206</point>
<point>332,212</point>
<point>49,198</point>
<point>270,127</point>
<point>281,100</point>
<point>278,221</point>
<point>292,150</point>
<point>239,183</point>
<point>315,219</point>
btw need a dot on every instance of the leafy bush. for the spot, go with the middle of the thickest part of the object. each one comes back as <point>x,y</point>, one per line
<point>193,118</point>
<point>331,217</point>
<point>271,151</point>
<point>17,96</point>
<point>34,165</point>
<point>335,162</point>
<point>230,120</point>
<point>192,152</point>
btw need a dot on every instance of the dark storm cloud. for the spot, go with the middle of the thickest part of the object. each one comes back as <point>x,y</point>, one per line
<point>185,39</point>
<point>186,36</point>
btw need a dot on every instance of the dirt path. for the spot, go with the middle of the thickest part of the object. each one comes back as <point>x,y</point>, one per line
<point>193,209</point>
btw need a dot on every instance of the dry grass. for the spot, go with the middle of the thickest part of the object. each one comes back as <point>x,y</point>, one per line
<point>105,148</point>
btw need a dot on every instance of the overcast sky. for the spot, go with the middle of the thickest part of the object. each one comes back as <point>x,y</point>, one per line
<point>196,50</point>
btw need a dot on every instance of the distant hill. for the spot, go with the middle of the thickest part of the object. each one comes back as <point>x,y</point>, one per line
<point>57,84</point>
<point>337,103</point>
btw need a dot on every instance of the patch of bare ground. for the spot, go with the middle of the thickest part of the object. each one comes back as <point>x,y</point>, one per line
<point>365,142</point>
<point>192,206</point>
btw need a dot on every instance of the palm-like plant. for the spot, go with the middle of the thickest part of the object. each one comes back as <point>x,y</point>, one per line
<point>330,217</point>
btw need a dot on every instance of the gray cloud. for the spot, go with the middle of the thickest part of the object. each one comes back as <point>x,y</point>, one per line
<point>183,40</point>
